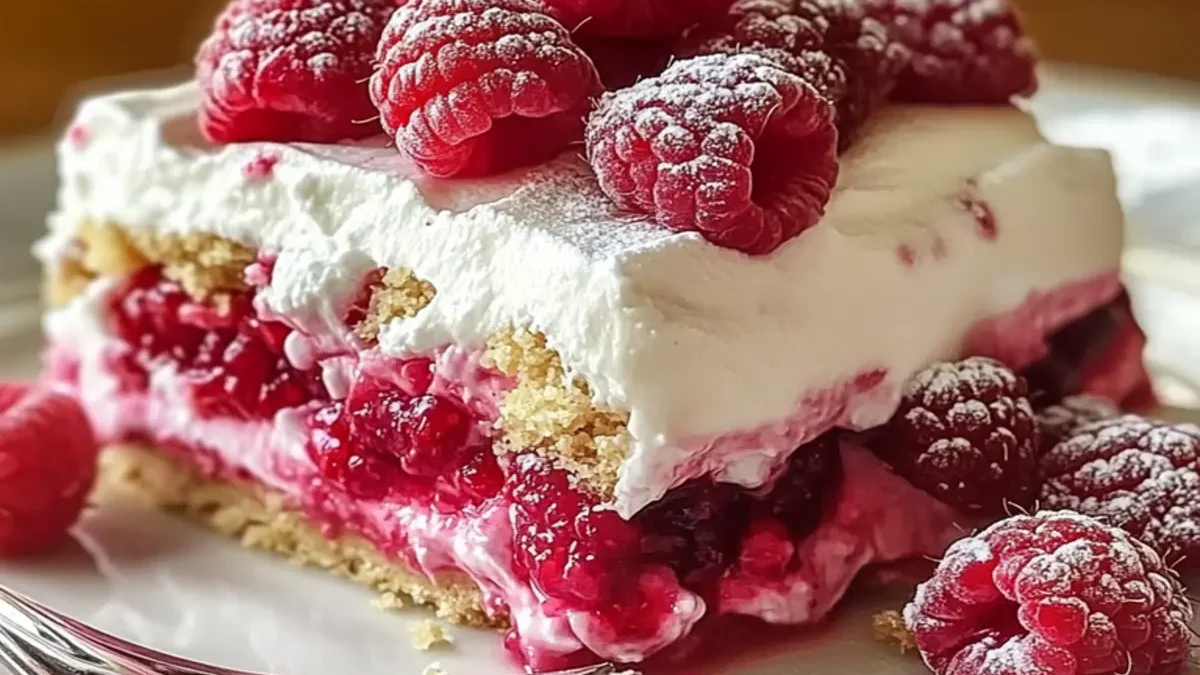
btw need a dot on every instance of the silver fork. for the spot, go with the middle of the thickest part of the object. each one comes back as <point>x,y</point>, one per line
<point>37,640</point>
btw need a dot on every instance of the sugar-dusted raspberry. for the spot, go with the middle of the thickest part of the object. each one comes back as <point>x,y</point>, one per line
<point>733,147</point>
<point>479,86</point>
<point>1060,421</point>
<point>1053,594</point>
<point>963,51</point>
<point>290,70</point>
<point>47,467</point>
<point>965,433</point>
<point>1134,473</point>
<point>848,56</point>
<point>633,18</point>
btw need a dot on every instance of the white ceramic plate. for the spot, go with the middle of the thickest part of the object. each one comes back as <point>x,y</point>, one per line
<point>165,583</point>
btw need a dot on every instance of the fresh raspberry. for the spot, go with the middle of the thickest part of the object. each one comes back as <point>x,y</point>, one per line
<point>633,18</point>
<point>1053,594</point>
<point>732,147</point>
<point>574,550</point>
<point>963,51</point>
<point>290,70</point>
<point>1134,473</point>
<point>849,57</point>
<point>1058,422</point>
<point>965,433</point>
<point>47,467</point>
<point>479,86</point>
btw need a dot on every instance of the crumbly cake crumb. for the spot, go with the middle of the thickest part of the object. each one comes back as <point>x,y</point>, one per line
<point>99,249</point>
<point>65,280</point>
<point>260,519</point>
<point>389,600</point>
<point>554,414</point>
<point>890,628</point>
<point>203,264</point>
<point>107,250</point>
<point>427,633</point>
<point>400,294</point>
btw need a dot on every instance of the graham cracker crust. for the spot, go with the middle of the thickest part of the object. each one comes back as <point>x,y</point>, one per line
<point>259,519</point>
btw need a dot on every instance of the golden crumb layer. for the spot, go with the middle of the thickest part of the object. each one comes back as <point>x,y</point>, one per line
<point>259,519</point>
<point>205,265</point>
<point>553,414</point>
<point>890,628</point>
<point>99,250</point>
<point>547,411</point>
<point>427,634</point>
<point>400,294</point>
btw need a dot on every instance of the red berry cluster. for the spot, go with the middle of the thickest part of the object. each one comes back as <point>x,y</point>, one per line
<point>737,140</point>
<point>395,436</point>
<point>229,361</point>
<point>1090,588</point>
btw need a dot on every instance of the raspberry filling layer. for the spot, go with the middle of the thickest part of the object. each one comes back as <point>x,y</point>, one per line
<point>403,456</point>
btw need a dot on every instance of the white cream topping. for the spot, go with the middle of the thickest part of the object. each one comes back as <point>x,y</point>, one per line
<point>695,341</point>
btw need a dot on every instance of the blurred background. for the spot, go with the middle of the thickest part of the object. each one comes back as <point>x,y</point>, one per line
<point>48,47</point>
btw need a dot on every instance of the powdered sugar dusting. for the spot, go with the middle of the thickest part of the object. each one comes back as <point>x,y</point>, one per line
<point>290,70</point>
<point>965,432</point>
<point>1060,421</point>
<point>1076,587</point>
<point>733,147</point>
<point>963,50</point>
<point>943,384</point>
<point>449,69</point>
<point>1137,474</point>
<point>848,57</point>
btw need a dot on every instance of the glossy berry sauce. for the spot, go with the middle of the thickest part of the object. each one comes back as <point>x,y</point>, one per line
<point>231,362</point>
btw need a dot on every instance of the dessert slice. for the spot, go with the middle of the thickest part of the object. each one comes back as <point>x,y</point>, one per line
<point>512,397</point>
<point>472,393</point>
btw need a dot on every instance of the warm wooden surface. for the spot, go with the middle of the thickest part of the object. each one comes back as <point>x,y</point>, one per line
<point>48,46</point>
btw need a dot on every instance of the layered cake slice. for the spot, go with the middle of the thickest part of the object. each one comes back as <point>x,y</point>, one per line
<point>712,362</point>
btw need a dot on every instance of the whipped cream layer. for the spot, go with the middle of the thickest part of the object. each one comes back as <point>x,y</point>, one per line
<point>942,217</point>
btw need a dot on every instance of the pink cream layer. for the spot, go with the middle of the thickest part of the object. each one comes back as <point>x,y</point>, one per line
<point>866,399</point>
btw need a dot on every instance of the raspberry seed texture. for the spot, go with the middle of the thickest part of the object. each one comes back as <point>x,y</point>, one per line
<point>1136,474</point>
<point>1052,594</point>
<point>963,51</point>
<point>471,87</point>
<point>290,70</point>
<point>834,45</point>
<point>732,147</point>
<point>965,433</point>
